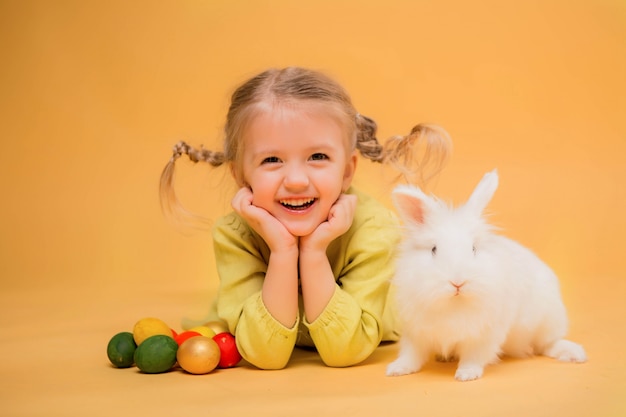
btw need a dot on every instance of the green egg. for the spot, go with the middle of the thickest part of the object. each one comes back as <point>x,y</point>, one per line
<point>121,350</point>
<point>156,354</point>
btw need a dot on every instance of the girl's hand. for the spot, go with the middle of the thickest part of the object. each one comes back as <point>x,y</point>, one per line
<point>339,221</point>
<point>267,226</point>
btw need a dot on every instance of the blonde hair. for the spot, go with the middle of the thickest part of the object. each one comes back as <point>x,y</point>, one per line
<point>419,156</point>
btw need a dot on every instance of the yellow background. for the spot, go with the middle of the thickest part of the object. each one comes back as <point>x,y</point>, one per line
<point>93,94</point>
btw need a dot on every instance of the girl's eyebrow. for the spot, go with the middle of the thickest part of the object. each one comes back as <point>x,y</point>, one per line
<point>325,146</point>
<point>262,153</point>
<point>315,148</point>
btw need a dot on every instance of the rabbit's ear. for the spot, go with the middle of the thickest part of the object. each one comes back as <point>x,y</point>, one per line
<point>411,202</point>
<point>483,193</point>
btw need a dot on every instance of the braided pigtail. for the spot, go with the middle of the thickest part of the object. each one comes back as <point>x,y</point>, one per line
<point>366,141</point>
<point>170,204</point>
<point>418,156</point>
<point>196,155</point>
<point>421,155</point>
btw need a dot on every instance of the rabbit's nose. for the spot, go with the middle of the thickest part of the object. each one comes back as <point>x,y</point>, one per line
<point>457,285</point>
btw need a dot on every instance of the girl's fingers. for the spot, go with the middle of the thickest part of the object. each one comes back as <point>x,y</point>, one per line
<point>242,200</point>
<point>343,209</point>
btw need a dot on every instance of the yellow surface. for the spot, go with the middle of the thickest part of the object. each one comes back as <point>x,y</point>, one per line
<point>93,94</point>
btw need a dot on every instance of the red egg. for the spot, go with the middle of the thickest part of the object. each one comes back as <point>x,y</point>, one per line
<point>229,355</point>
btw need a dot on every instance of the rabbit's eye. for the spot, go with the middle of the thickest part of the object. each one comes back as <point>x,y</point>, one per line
<point>434,250</point>
<point>474,249</point>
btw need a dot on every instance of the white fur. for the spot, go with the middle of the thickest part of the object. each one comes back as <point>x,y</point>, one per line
<point>507,302</point>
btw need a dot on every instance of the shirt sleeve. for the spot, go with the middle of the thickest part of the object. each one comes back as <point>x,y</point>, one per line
<point>241,258</point>
<point>351,325</point>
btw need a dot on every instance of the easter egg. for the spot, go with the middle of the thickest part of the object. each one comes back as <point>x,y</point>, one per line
<point>181,337</point>
<point>229,355</point>
<point>121,350</point>
<point>204,331</point>
<point>150,326</point>
<point>198,355</point>
<point>217,326</point>
<point>156,354</point>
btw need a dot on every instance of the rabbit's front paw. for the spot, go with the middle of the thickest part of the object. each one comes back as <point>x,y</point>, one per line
<point>402,366</point>
<point>566,351</point>
<point>468,372</point>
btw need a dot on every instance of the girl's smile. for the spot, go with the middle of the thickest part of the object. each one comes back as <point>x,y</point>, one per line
<point>299,205</point>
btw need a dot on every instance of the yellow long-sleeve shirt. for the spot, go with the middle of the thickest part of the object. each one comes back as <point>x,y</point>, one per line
<point>357,317</point>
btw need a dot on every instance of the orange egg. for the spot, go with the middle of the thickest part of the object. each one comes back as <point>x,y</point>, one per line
<point>181,337</point>
<point>198,355</point>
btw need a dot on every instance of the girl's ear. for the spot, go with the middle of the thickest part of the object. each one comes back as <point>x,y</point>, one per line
<point>349,171</point>
<point>237,175</point>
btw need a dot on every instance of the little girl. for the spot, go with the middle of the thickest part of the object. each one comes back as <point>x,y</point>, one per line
<point>305,259</point>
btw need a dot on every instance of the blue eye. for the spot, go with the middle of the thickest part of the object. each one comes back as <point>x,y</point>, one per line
<point>319,157</point>
<point>270,160</point>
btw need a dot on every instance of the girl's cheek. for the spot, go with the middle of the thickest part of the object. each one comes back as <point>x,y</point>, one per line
<point>258,201</point>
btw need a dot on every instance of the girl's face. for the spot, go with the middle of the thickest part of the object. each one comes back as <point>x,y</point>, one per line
<point>297,163</point>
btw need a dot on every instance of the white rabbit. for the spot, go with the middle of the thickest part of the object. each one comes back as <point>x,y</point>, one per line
<point>466,293</point>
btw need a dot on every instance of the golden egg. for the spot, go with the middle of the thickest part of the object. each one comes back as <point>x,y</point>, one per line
<point>198,355</point>
<point>217,326</point>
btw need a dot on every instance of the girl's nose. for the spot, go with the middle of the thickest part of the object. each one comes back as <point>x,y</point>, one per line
<point>296,178</point>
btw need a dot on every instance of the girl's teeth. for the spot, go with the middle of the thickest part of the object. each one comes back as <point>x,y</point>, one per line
<point>297,202</point>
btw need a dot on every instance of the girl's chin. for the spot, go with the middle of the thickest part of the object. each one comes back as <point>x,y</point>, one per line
<point>300,230</point>
<point>302,225</point>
